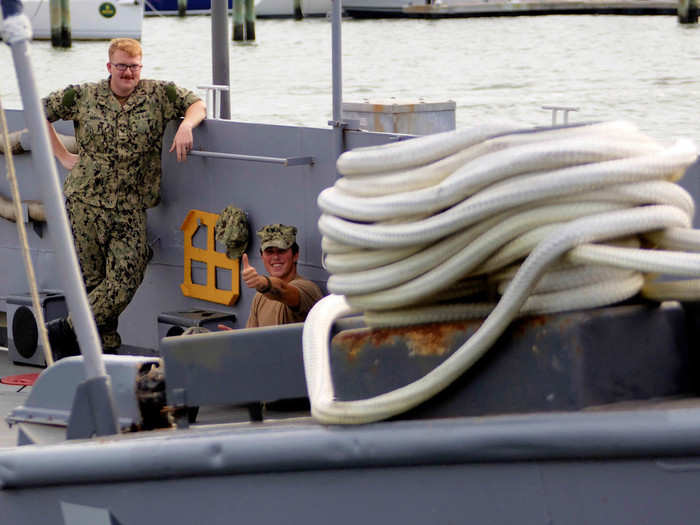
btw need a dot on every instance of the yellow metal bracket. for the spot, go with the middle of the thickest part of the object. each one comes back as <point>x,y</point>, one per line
<point>211,258</point>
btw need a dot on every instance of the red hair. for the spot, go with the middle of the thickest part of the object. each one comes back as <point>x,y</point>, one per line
<point>130,46</point>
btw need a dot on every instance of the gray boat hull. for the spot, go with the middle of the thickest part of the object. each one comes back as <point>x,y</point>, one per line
<point>617,467</point>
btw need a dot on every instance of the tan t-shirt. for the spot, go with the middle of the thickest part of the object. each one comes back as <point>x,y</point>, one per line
<point>268,312</point>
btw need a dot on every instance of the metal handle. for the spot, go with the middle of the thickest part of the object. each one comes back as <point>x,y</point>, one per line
<point>564,109</point>
<point>289,161</point>
<point>214,99</point>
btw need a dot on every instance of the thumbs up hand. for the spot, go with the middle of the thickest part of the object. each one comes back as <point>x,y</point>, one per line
<point>250,275</point>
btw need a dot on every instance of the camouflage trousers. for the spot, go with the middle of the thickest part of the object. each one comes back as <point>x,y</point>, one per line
<point>113,252</point>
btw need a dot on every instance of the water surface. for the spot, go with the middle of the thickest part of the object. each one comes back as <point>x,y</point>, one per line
<point>642,68</point>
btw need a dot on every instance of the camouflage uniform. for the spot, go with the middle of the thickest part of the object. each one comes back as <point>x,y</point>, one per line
<point>116,178</point>
<point>268,312</point>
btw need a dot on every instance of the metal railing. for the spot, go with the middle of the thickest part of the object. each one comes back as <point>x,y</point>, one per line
<point>564,109</point>
<point>284,161</point>
<point>213,99</point>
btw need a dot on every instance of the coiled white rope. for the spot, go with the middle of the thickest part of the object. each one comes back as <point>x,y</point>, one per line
<point>518,213</point>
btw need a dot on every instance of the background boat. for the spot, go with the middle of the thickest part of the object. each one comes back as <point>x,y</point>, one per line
<point>263,8</point>
<point>90,19</point>
<point>476,8</point>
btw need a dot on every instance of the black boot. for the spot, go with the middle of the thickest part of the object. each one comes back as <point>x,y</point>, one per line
<point>62,339</point>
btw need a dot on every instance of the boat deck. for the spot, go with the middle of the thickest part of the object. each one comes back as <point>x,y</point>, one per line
<point>11,396</point>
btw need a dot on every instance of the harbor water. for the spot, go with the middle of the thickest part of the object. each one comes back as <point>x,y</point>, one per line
<point>641,68</point>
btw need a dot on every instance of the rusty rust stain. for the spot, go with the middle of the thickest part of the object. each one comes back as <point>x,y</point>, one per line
<point>424,340</point>
<point>523,326</point>
<point>351,342</point>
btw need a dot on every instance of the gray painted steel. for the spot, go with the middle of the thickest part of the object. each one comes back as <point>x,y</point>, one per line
<point>624,492</point>
<point>585,492</point>
<point>239,366</point>
<point>274,448</point>
<point>54,393</point>
<point>254,364</point>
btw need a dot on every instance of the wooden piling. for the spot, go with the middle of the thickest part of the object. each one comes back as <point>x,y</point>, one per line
<point>66,35</point>
<point>59,13</point>
<point>181,7</point>
<point>298,15</point>
<point>250,19</point>
<point>688,11</point>
<point>238,27</point>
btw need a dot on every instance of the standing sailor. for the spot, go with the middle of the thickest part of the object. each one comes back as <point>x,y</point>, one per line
<point>119,124</point>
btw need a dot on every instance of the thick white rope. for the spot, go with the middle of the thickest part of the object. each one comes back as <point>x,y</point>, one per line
<point>472,207</point>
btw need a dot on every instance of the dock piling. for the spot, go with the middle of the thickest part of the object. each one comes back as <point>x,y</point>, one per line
<point>250,19</point>
<point>243,20</point>
<point>238,27</point>
<point>59,13</point>
<point>688,11</point>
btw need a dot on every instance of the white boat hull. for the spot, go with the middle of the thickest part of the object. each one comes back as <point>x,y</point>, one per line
<point>285,8</point>
<point>90,19</point>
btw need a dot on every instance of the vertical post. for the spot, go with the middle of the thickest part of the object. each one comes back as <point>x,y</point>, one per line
<point>181,7</point>
<point>688,11</point>
<point>238,28</point>
<point>250,19</point>
<point>59,15</point>
<point>298,15</point>
<point>337,75</point>
<point>17,33</point>
<point>219,52</point>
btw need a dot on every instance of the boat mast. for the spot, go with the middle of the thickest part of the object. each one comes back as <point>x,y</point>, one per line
<point>17,33</point>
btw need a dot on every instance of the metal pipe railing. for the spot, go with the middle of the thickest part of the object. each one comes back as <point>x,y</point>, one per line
<point>284,161</point>
<point>214,99</point>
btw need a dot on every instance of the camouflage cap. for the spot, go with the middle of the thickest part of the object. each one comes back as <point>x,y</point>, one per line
<point>232,230</point>
<point>277,235</point>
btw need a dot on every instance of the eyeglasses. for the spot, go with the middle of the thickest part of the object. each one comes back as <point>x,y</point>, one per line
<point>123,67</point>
